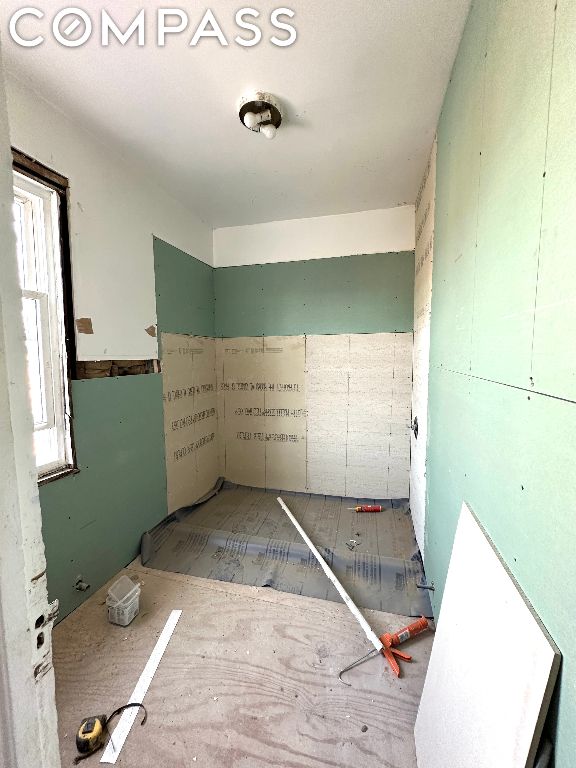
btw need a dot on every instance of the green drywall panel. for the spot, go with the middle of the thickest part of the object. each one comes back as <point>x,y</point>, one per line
<point>184,292</point>
<point>513,148</point>
<point>457,198</point>
<point>489,453</point>
<point>353,294</point>
<point>92,521</point>
<point>500,445</point>
<point>554,360</point>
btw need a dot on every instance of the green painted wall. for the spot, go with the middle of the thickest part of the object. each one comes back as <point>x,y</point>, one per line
<point>184,291</point>
<point>502,411</point>
<point>353,294</point>
<point>92,521</point>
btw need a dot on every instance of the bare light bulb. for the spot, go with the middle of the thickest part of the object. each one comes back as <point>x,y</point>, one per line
<point>251,120</point>
<point>268,130</point>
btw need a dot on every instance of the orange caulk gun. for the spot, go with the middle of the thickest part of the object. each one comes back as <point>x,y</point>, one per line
<point>388,647</point>
<point>385,644</point>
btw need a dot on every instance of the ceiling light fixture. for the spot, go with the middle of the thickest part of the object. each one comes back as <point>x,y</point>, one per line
<point>260,112</point>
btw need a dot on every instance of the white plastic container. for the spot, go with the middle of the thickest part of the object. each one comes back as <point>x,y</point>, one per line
<point>123,601</point>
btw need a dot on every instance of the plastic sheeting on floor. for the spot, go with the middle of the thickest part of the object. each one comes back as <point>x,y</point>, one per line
<point>242,535</point>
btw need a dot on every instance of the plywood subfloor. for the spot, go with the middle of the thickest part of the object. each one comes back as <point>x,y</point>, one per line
<point>249,679</point>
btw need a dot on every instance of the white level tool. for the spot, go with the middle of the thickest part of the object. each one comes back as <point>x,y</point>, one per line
<point>126,721</point>
<point>368,631</point>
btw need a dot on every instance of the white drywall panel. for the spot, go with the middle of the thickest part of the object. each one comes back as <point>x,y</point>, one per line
<point>321,414</point>
<point>326,414</point>
<point>327,371</point>
<point>114,210</point>
<point>262,410</point>
<point>424,257</point>
<point>190,417</point>
<point>492,668</point>
<point>358,390</point>
<point>322,237</point>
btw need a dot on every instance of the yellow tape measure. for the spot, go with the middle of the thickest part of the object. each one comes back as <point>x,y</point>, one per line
<point>93,730</point>
<point>91,736</point>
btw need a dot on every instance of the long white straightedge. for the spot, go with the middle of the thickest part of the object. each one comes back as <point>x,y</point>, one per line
<point>354,610</point>
<point>117,739</point>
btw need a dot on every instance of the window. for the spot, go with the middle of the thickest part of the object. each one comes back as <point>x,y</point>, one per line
<point>43,263</point>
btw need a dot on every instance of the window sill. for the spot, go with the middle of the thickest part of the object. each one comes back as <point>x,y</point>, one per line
<point>57,474</point>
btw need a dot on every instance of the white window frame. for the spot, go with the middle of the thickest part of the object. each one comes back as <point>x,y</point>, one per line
<point>41,281</point>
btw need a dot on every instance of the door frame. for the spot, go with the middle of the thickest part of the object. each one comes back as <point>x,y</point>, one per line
<point>29,734</point>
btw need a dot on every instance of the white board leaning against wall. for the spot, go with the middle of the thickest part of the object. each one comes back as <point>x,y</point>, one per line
<point>492,669</point>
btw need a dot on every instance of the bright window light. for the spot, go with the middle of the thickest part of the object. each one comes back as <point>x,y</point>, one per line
<point>39,263</point>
